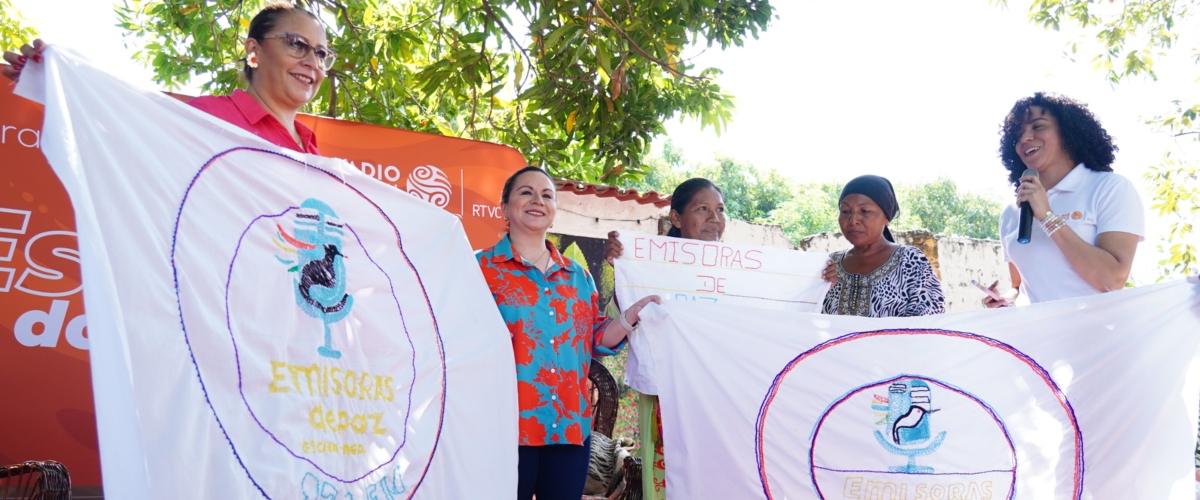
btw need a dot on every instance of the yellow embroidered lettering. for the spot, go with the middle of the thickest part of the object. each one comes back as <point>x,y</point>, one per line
<point>882,490</point>
<point>277,377</point>
<point>316,418</point>
<point>376,418</point>
<point>295,371</point>
<point>358,424</point>
<point>343,421</point>
<point>322,381</point>
<point>351,376</point>
<point>853,488</point>
<point>337,384</point>
<point>364,387</point>
<point>309,373</point>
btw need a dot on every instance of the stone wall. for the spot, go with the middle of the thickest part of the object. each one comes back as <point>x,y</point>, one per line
<point>593,217</point>
<point>955,260</point>
<point>965,259</point>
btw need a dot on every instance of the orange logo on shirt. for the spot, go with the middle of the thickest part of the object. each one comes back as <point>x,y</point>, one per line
<point>1076,215</point>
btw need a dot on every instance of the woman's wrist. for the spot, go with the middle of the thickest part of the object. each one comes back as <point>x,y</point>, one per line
<point>629,327</point>
<point>1041,215</point>
<point>1052,222</point>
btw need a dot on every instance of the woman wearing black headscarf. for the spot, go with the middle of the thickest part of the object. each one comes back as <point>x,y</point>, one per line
<point>878,277</point>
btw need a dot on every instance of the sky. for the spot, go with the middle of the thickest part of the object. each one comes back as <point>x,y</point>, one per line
<point>914,91</point>
<point>908,90</point>
<point>911,90</point>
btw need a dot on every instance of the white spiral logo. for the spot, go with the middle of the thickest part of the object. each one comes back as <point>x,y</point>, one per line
<point>429,183</point>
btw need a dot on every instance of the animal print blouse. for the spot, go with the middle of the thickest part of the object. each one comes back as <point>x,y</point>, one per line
<point>905,285</point>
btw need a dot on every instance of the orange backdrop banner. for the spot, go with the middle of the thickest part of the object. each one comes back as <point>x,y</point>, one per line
<point>43,328</point>
<point>461,176</point>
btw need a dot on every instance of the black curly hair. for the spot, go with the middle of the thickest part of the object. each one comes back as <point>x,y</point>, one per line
<point>1082,136</point>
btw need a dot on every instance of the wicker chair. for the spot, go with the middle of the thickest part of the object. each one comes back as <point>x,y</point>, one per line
<point>35,481</point>
<point>633,479</point>
<point>605,398</point>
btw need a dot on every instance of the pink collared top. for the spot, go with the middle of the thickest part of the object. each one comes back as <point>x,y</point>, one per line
<point>241,109</point>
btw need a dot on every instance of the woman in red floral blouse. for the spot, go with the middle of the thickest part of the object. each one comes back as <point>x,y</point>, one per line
<point>551,307</point>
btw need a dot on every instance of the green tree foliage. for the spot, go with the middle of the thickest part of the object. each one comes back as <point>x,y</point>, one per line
<point>1176,191</point>
<point>812,209</point>
<point>581,86</point>
<point>941,208</point>
<point>750,194</point>
<point>768,197</point>
<point>1131,33</point>
<point>14,32</point>
<point>1130,36</point>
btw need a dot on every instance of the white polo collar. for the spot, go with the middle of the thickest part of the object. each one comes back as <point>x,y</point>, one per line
<point>1071,182</point>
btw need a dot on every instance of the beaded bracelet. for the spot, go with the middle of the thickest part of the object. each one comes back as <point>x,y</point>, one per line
<point>1053,222</point>
<point>625,323</point>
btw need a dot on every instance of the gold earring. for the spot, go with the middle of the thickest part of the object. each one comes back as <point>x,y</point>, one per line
<point>252,61</point>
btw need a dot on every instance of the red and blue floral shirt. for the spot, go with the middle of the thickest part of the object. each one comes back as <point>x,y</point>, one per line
<point>556,328</point>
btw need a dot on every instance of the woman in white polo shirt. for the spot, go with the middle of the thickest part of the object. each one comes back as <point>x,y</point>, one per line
<point>1088,220</point>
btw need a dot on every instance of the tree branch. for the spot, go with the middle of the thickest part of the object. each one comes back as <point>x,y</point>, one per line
<point>475,91</point>
<point>637,48</point>
<point>333,96</point>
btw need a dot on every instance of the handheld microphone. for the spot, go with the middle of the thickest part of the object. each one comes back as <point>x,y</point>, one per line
<point>1025,230</point>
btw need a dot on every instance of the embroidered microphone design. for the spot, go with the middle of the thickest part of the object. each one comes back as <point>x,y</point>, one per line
<point>909,406</point>
<point>320,280</point>
<point>913,423</point>
<point>320,273</point>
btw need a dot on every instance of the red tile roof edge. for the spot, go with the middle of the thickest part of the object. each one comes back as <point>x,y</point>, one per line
<point>604,191</point>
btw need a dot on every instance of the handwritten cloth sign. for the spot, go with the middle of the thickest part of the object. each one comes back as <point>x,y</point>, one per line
<point>1083,398</point>
<point>711,273</point>
<point>265,323</point>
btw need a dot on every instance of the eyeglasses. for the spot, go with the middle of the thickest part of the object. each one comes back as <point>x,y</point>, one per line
<point>299,48</point>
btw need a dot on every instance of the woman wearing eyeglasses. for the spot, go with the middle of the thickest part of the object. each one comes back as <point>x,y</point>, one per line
<point>286,60</point>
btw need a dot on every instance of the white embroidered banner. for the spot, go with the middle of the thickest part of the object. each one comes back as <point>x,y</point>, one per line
<point>267,323</point>
<point>1084,398</point>
<point>716,272</point>
<point>710,272</point>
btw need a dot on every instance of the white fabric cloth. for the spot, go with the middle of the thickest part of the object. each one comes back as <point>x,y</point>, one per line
<point>1091,203</point>
<point>711,273</point>
<point>1094,397</point>
<point>266,323</point>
